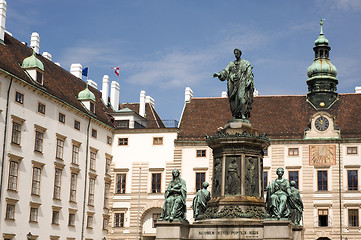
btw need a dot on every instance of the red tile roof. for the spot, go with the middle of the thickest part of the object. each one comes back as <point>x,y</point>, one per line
<point>280,117</point>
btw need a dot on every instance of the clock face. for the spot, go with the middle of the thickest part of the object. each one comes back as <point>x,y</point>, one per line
<point>321,123</point>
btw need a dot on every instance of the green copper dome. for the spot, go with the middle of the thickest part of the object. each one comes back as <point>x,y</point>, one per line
<point>32,62</point>
<point>86,94</point>
<point>321,67</point>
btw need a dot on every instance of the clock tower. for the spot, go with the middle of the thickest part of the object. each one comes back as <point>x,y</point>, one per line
<point>322,81</point>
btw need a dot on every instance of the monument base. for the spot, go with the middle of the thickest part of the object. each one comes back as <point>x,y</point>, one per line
<point>229,229</point>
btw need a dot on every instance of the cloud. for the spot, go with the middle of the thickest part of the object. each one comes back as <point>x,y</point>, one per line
<point>341,5</point>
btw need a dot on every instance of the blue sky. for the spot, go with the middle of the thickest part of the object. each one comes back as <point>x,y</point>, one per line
<point>163,46</point>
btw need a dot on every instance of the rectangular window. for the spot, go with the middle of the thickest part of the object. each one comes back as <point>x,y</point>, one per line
<point>94,133</point>
<point>92,160</point>
<point>71,221</point>
<point>351,150</point>
<point>323,217</point>
<point>38,141</point>
<point>35,186</point>
<point>19,97</point>
<point>122,141</point>
<point>109,140</point>
<point>59,148</point>
<point>105,222</point>
<point>293,176</point>
<point>57,183</point>
<point>118,219</point>
<point>61,118</point>
<point>121,123</point>
<point>13,175</point>
<point>120,183</point>
<point>91,191</point>
<point>34,214</point>
<point>293,152</point>
<point>201,153</point>
<point>322,180</point>
<point>353,218</point>
<point>55,217</point>
<point>16,133</point>
<point>92,107</point>
<point>10,211</point>
<point>265,180</point>
<point>265,152</point>
<point>200,178</point>
<point>158,141</point>
<point>75,154</point>
<point>107,165</point>
<point>106,194</point>
<point>155,217</point>
<point>352,180</point>
<point>41,108</point>
<point>39,77</point>
<point>89,222</point>
<point>76,125</point>
<point>73,185</point>
<point>156,182</point>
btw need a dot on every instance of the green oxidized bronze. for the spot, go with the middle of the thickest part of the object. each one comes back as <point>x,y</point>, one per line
<point>240,86</point>
<point>234,212</point>
<point>283,200</point>
<point>175,200</point>
<point>200,201</point>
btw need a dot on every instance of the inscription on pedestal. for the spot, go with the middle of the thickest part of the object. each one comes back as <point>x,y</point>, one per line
<point>227,233</point>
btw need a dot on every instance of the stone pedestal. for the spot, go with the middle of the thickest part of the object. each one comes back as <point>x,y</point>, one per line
<point>172,230</point>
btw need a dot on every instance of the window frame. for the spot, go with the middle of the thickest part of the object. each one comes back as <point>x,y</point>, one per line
<point>60,148</point>
<point>90,220</point>
<point>352,150</point>
<point>106,195</point>
<point>91,192</point>
<point>41,108</point>
<point>94,133</point>
<point>292,152</point>
<point>120,185</point>
<point>10,211</point>
<point>352,181</point>
<point>291,178</point>
<point>108,162</point>
<point>123,141</point>
<point>71,219</point>
<point>156,184</point>
<point>36,181</point>
<point>199,176</point>
<point>93,160</point>
<point>325,216</point>
<point>157,141</point>
<point>39,141</point>
<point>55,216</point>
<point>61,117</point>
<point>353,219</point>
<point>75,154</point>
<point>119,220</point>
<point>57,183</point>
<point>11,177</point>
<point>321,182</point>
<point>34,213</point>
<point>73,187</point>
<point>19,97</point>
<point>201,153</point>
<point>16,133</point>
<point>109,140</point>
<point>76,125</point>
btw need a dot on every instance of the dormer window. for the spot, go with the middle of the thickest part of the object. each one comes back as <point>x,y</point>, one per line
<point>92,107</point>
<point>39,77</point>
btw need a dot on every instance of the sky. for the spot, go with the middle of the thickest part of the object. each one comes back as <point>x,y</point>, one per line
<point>164,46</point>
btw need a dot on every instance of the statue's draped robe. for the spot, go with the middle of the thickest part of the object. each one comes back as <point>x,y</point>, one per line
<point>200,202</point>
<point>277,198</point>
<point>240,84</point>
<point>296,205</point>
<point>175,200</point>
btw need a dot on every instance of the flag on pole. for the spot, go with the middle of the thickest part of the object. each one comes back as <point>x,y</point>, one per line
<point>116,70</point>
<point>84,72</point>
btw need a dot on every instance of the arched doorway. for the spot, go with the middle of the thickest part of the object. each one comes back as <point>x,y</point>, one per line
<point>149,218</point>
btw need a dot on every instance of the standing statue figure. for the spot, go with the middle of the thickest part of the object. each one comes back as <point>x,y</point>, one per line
<point>296,204</point>
<point>278,191</point>
<point>233,179</point>
<point>200,201</point>
<point>175,200</point>
<point>240,85</point>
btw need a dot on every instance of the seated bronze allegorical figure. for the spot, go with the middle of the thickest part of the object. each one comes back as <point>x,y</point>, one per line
<point>175,199</point>
<point>200,201</point>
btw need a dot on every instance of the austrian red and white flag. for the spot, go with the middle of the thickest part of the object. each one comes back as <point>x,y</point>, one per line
<point>116,70</point>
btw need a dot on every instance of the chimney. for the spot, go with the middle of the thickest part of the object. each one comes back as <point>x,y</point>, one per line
<point>35,42</point>
<point>114,95</point>
<point>47,56</point>
<point>92,83</point>
<point>142,103</point>
<point>224,94</point>
<point>188,94</point>
<point>2,19</point>
<point>150,100</point>
<point>255,93</point>
<point>357,89</point>
<point>76,70</point>
<point>105,89</point>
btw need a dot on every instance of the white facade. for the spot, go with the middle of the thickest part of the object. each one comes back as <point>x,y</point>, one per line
<point>33,195</point>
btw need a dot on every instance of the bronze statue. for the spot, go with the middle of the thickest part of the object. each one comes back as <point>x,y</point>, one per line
<point>296,204</point>
<point>233,178</point>
<point>200,201</point>
<point>240,85</point>
<point>277,205</point>
<point>175,200</point>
